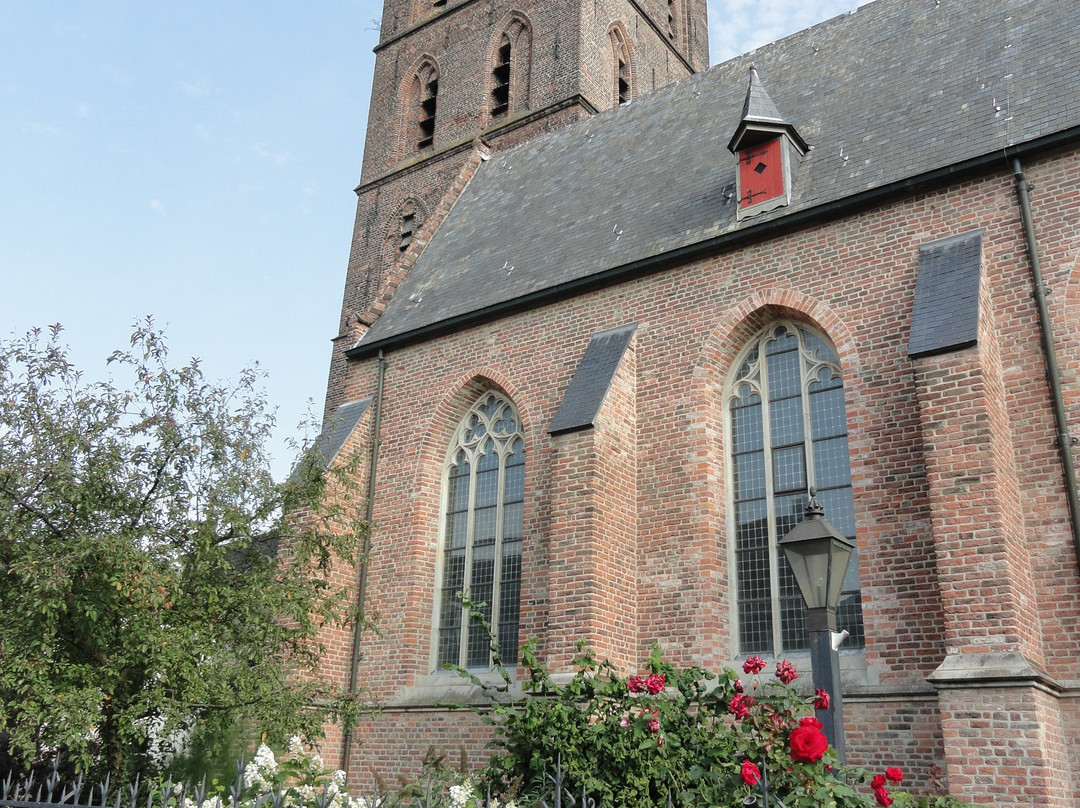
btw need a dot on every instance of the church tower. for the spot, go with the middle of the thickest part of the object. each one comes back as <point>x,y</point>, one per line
<point>450,71</point>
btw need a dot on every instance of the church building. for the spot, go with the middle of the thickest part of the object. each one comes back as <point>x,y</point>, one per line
<point>610,313</point>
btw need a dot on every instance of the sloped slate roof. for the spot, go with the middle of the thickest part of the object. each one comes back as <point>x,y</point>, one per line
<point>946,313</point>
<point>902,87</point>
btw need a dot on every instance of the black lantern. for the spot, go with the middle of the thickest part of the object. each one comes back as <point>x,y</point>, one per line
<point>819,556</point>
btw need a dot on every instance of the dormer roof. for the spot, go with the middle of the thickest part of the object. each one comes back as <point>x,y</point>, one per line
<point>761,120</point>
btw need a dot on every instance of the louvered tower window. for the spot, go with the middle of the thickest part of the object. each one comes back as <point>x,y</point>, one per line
<point>429,91</point>
<point>620,52</point>
<point>671,19</point>
<point>482,530</point>
<point>787,431</point>
<point>408,223</point>
<point>500,92</point>
<point>624,81</point>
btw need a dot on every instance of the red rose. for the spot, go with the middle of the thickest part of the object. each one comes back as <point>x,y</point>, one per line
<point>654,724</point>
<point>655,683</point>
<point>740,705</point>
<point>785,672</point>
<point>636,684</point>
<point>737,686</point>
<point>810,721</point>
<point>821,699</point>
<point>882,797</point>
<point>878,782</point>
<point>754,664</point>
<point>894,774</point>
<point>750,773</point>
<point>807,744</point>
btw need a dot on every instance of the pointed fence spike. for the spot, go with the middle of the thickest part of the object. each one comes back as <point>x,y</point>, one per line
<point>79,784</point>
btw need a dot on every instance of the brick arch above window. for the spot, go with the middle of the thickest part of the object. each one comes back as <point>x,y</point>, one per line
<point>752,313</point>
<point>402,228</point>
<point>623,72</point>
<point>445,416</point>
<point>418,118</point>
<point>508,68</point>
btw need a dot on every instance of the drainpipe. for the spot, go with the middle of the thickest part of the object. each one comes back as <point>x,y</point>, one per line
<point>1053,377</point>
<point>358,629</point>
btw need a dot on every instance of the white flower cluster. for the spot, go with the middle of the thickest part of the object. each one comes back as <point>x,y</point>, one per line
<point>465,795</point>
<point>259,773</point>
<point>461,794</point>
<point>306,783</point>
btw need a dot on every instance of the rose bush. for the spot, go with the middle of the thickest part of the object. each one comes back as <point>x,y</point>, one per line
<point>692,736</point>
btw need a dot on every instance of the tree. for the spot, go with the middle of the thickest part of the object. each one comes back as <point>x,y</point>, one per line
<point>153,577</point>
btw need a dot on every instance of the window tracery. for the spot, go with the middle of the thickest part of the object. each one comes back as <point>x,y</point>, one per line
<point>484,492</point>
<point>787,431</point>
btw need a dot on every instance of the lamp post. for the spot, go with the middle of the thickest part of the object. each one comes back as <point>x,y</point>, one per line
<point>818,556</point>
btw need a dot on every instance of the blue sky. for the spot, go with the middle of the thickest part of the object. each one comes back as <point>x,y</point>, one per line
<point>195,161</point>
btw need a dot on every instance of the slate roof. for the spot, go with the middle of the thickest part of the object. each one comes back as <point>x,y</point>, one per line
<point>335,431</point>
<point>946,313</point>
<point>592,380</point>
<point>902,87</point>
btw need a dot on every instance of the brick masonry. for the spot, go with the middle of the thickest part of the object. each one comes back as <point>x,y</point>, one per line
<point>961,517</point>
<point>962,522</point>
<point>563,71</point>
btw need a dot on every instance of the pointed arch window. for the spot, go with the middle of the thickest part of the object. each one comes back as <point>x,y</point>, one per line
<point>484,492</point>
<point>423,102</point>
<point>787,431</point>
<point>621,61</point>
<point>509,57</point>
<point>500,91</point>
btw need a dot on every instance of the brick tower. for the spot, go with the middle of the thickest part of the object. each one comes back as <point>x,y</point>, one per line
<point>449,71</point>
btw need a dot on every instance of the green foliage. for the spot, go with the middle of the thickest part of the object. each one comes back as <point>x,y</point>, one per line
<point>671,733</point>
<point>150,580</point>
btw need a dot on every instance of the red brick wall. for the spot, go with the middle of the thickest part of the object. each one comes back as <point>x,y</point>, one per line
<point>569,73</point>
<point>655,466</point>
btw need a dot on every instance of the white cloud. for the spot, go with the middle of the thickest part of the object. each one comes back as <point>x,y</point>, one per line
<point>194,89</point>
<point>155,204</point>
<point>42,128</point>
<point>739,26</point>
<point>118,76</point>
<point>265,152</point>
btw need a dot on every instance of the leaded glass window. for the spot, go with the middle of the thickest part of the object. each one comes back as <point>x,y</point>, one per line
<point>788,431</point>
<point>482,529</point>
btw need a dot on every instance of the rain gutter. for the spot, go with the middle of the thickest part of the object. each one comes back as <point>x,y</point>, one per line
<point>369,512</point>
<point>1065,441</point>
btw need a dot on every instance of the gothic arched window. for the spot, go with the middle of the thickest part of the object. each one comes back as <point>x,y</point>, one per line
<point>421,106</point>
<point>787,431</point>
<point>620,51</point>
<point>510,55</point>
<point>500,74</point>
<point>483,497</point>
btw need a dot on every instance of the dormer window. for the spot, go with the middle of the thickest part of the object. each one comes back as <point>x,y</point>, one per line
<point>768,149</point>
<point>761,173</point>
